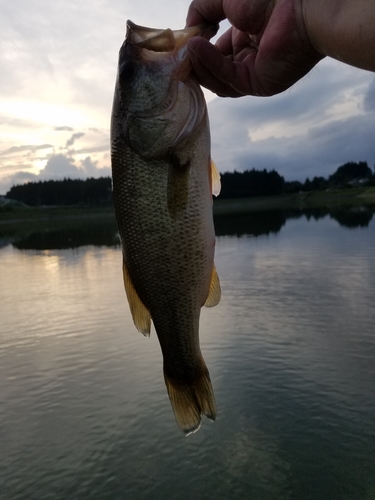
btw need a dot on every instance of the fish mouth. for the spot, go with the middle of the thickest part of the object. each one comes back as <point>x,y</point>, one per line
<point>165,52</point>
<point>164,40</point>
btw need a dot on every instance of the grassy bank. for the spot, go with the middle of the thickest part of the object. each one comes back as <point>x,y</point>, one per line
<point>340,198</point>
<point>34,218</point>
<point>17,221</point>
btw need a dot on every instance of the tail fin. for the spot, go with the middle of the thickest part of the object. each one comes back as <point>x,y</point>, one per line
<point>191,400</point>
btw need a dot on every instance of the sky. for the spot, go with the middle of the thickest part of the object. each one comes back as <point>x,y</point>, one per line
<point>58,65</point>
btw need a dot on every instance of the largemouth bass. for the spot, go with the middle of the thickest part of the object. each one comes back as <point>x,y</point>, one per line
<point>163,179</point>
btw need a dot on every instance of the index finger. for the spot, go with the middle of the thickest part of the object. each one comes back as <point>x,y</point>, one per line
<point>203,11</point>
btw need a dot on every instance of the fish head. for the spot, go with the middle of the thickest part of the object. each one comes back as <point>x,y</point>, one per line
<point>150,61</point>
<point>158,102</point>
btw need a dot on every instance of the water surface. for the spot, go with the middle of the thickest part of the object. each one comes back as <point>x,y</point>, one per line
<point>290,348</point>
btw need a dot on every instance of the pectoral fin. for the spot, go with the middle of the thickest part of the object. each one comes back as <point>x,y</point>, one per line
<point>214,293</point>
<point>215,179</point>
<point>140,314</point>
<point>178,184</point>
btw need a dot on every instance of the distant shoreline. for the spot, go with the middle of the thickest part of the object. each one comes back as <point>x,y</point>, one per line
<point>331,199</point>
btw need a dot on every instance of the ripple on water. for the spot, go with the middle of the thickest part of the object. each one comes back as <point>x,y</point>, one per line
<point>290,350</point>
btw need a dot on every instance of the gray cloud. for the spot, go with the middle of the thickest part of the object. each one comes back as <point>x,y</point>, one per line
<point>95,149</point>
<point>91,169</point>
<point>63,128</point>
<point>309,100</point>
<point>369,100</point>
<point>26,147</point>
<point>20,177</point>
<point>318,152</point>
<point>13,122</point>
<point>68,163</point>
<point>69,51</point>
<point>311,140</point>
<point>73,138</point>
<point>60,167</point>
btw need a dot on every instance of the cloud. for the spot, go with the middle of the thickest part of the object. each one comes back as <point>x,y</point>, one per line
<point>95,149</point>
<point>60,167</point>
<point>57,160</point>
<point>91,169</point>
<point>22,177</point>
<point>59,62</point>
<point>318,151</point>
<point>7,181</point>
<point>15,122</point>
<point>73,138</point>
<point>310,130</point>
<point>369,99</point>
<point>26,147</point>
<point>63,128</point>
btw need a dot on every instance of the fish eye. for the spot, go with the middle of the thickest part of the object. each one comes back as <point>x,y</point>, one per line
<point>126,70</point>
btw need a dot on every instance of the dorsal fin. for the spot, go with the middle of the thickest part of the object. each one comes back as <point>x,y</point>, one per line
<point>214,293</point>
<point>140,313</point>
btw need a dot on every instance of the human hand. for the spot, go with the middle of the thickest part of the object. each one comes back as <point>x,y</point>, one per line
<point>264,52</point>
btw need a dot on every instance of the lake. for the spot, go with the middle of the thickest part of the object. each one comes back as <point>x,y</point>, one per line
<point>290,348</point>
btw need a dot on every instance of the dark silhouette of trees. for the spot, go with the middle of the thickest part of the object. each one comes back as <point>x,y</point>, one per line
<point>251,183</point>
<point>66,192</point>
<point>319,184</point>
<point>293,186</point>
<point>350,172</point>
<point>233,185</point>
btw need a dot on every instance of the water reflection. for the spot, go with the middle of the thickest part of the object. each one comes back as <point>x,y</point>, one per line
<point>350,217</point>
<point>83,406</point>
<point>353,218</point>
<point>265,223</point>
<point>104,232</point>
<point>254,224</point>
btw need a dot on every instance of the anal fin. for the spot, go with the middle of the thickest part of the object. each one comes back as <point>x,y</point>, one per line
<point>214,293</point>
<point>140,314</point>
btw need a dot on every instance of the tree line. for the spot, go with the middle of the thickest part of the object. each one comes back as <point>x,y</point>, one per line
<point>64,192</point>
<point>347,175</point>
<point>264,183</point>
<point>233,185</point>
